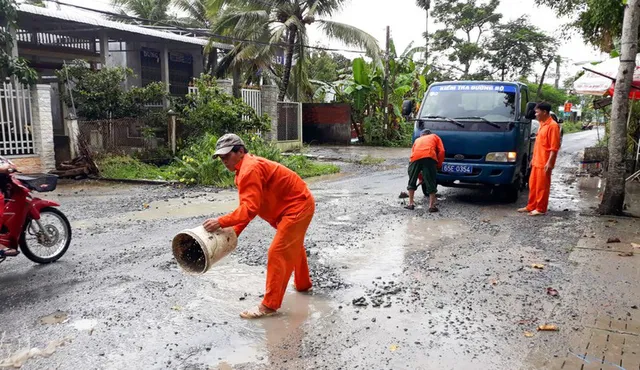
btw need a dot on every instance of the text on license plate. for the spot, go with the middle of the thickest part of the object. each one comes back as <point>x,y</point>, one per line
<point>456,168</point>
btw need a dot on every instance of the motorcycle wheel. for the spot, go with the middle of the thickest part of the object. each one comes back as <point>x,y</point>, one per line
<point>36,247</point>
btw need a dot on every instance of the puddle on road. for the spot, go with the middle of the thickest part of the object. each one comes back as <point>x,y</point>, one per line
<point>235,287</point>
<point>175,208</point>
<point>421,233</point>
<point>386,255</point>
<point>57,317</point>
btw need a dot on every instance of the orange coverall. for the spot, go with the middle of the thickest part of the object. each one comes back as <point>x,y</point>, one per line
<point>280,197</point>
<point>429,146</point>
<point>547,141</point>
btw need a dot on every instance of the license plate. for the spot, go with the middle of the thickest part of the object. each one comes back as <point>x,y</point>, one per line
<point>457,168</point>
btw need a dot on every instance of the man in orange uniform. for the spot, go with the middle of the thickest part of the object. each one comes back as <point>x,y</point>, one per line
<point>545,153</point>
<point>280,197</point>
<point>427,155</point>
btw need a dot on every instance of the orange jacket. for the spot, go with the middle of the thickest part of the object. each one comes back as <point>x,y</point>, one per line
<point>547,141</point>
<point>267,189</point>
<point>429,146</point>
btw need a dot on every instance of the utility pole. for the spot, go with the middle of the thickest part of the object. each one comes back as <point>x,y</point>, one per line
<point>426,33</point>
<point>558,62</point>
<point>386,80</point>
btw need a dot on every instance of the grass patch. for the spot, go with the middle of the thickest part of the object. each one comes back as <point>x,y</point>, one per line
<point>571,127</point>
<point>307,168</point>
<point>124,167</point>
<point>369,160</point>
<point>191,172</point>
<point>195,166</point>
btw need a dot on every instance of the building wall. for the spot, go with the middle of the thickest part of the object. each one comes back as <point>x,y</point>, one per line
<point>128,55</point>
<point>198,61</point>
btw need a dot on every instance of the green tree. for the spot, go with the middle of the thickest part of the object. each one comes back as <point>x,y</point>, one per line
<point>466,23</point>
<point>550,94</point>
<point>599,22</point>
<point>515,48</point>
<point>363,89</point>
<point>154,11</point>
<point>196,13</point>
<point>267,23</point>
<point>10,66</point>
<point>101,95</point>
<point>209,111</point>
<point>326,67</point>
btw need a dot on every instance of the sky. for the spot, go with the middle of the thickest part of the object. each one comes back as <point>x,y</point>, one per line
<point>407,23</point>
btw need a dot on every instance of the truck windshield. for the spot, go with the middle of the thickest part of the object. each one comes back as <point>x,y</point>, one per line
<point>483,102</point>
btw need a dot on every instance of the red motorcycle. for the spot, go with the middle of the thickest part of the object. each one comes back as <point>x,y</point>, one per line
<point>34,225</point>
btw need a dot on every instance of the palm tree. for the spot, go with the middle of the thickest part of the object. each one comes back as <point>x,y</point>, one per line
<point>154,11</point>
<point>196,13</point>
<point>266,28</point>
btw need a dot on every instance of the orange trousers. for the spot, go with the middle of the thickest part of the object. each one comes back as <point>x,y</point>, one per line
<point>287,255</point>
<point>539,189</point>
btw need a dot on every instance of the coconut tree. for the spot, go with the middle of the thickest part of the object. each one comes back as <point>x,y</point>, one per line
<point>266,29</point>
<point>154,11</point>
<point>195,13</point>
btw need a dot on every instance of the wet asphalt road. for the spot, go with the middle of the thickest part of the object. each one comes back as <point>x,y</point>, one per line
<point>393,288</point>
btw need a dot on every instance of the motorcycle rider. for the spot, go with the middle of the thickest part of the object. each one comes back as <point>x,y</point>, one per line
<point>6,167</point>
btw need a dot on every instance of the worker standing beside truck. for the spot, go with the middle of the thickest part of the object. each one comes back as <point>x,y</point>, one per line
<point>545,153</point>
<point>427,155</point>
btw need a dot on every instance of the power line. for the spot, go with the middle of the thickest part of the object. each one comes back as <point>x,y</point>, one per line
<point>200,32</point>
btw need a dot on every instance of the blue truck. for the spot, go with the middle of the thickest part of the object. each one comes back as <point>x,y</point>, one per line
<point>486,131</point>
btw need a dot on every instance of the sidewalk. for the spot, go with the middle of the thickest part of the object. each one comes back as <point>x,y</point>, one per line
<point>597,312</point>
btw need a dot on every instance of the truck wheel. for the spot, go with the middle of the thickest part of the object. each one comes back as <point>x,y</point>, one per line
<point>510,193</point>
<point>526,172</point>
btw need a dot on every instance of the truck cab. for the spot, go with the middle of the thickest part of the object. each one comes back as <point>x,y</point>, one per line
<point>486,131</point>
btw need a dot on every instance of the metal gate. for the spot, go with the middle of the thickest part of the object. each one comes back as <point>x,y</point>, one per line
<point>253,99</point>
<point>289,122</point>
<point>16,137</point>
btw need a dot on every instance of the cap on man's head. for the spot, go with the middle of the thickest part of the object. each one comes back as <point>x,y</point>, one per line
<point>425,132</point>
<point>226,143</point>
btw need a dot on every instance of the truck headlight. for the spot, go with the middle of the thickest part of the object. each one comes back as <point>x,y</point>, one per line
<point>501,157</point>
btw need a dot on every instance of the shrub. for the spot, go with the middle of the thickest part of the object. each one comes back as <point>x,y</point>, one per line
<point>210,111</point>
<point>197,166</point>
<point>101,95</point>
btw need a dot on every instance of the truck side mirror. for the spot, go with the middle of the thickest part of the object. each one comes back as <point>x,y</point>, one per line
<point>407,107</point>
<point>530,112</point>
